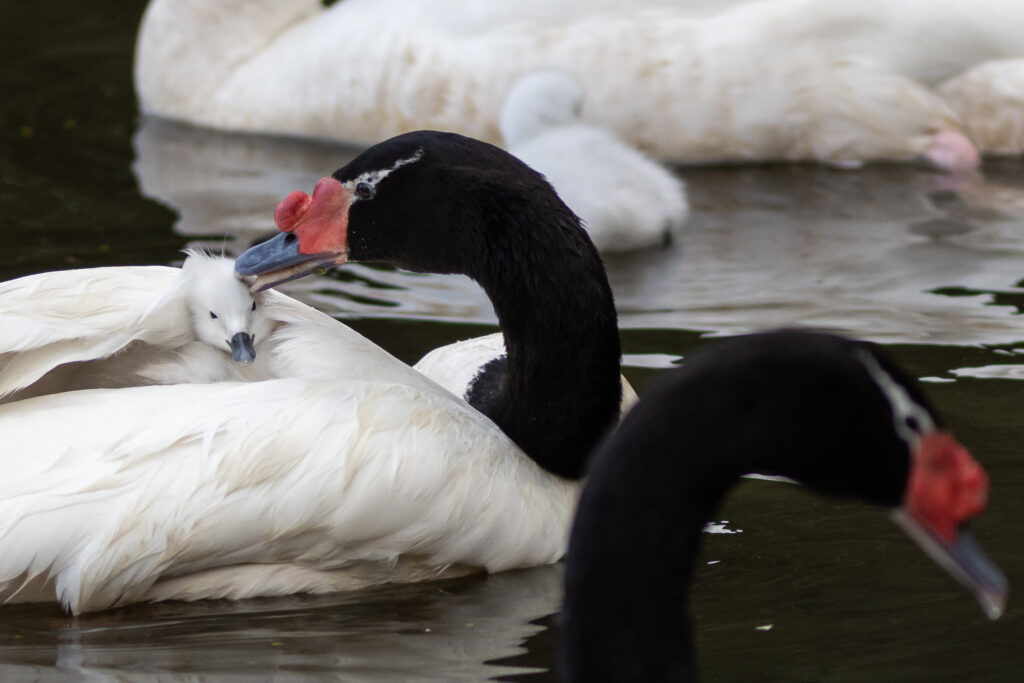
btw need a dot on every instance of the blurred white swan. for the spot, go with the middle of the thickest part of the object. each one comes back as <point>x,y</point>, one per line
<point>626,200</point>
<point>989,99</point>
<point>686,81</point>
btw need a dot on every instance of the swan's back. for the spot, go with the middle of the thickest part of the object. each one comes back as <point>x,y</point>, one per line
<point>55,319</point>
<point>689,83</point>
<point>263,488</point>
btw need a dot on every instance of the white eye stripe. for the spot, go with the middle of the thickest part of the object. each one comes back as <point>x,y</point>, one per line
<point>372,178</point>
<point>904,409</point>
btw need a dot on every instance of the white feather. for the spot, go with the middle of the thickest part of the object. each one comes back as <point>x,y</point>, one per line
<point>194,484</point>
<point>344,469</point>
<point>126,326</point>
<point>688,81</point>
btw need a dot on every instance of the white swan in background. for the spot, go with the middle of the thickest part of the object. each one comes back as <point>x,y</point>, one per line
<point>347,467</point>
<point>989,99</point>
<point>685,81</point>
<point>127,326</point>
<point>626,200</point>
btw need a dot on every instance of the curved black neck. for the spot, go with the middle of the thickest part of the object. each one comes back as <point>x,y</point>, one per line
<point>559,388</point>
<point>794,404</point>
<point>634,545</point>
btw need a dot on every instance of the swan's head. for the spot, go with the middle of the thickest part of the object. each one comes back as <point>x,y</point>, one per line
<point>424,201</point>
<point>224,313</point>
<point>944,488</point>
<point>540,101</point>
<point>888,446</point>
<point>833,414</point>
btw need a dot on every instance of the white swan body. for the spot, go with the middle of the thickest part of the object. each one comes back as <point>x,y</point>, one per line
<point>126,326</point>
<point>199,491</point>
<point>766,79</point>
<point>626,200</point>
<point>348,469</point>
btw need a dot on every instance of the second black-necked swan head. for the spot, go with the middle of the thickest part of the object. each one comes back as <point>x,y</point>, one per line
<point>833,414</point>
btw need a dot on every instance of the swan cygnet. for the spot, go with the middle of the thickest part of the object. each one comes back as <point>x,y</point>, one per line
<point>625,199</point>
<point>129,326</point>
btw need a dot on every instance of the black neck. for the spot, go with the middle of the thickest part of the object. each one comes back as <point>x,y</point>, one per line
<point>627,585</point>
<point>794,404</point>
<point>559,389</point>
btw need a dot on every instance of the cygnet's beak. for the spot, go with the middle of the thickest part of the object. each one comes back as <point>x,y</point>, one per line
<point>242,348</point>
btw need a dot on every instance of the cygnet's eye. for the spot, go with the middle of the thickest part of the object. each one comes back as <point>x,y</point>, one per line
<point>912,422</point>
<point>213,315</point>
<point>253,306</point>
<point>364,191</point>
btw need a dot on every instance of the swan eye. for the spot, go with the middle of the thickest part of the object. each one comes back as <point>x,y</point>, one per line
<point>912,422</point>
<point>364,191</point>
<point>213,315</point>
<point>253,306</point>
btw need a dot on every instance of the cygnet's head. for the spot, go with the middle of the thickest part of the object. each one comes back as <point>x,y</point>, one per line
<point>224,314</point>
<point>539,101</point>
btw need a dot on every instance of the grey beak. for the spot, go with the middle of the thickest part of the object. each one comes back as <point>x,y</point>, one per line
<point>281,251</point>
<point>242,349</point>
<point>964,560</point>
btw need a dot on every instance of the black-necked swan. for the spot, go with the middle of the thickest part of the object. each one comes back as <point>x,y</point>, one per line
<point>687,82</point>
<point>444,203</point>
<point>830,413</point>
<point>349,468</point>
<point>625,200</point>
<point>130,325</point>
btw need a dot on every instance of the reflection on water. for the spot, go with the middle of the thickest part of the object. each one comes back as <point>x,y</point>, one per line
<point>889,253</point>
<point>443,631</point>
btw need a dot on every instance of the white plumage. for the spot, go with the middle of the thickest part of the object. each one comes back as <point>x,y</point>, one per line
<point>197,491</point>
<point>626,200</point>
<point>348,469</point>
<point>127,326</point>
<point>686,81</point>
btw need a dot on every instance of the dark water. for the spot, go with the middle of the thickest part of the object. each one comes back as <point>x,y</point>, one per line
<point>809,590</point>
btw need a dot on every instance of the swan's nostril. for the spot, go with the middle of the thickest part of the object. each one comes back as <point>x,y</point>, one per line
<point>289,238</point>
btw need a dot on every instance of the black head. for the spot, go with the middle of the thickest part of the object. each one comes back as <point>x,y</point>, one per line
<point>831,413</point>
<point>827,411</point>
<point>425,201</point>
